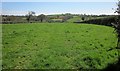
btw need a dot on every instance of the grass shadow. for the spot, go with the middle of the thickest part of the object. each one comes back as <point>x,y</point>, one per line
<point>113,67</point>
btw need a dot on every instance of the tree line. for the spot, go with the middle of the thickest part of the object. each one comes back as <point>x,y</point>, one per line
<point>107,21</point>
<point>32,18</point>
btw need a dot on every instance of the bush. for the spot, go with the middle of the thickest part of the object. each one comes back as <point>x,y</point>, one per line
<point>102,21</point>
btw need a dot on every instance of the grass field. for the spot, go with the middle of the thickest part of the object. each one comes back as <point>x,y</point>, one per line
<point>74,19</point>
<point>58,46</point>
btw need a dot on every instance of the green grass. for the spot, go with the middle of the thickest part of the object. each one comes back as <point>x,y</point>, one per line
<point>74,19</point>
<point>58,46</point>
<point>78,19</point>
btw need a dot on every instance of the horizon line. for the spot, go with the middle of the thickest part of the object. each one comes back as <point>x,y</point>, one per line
<point>57,14</point>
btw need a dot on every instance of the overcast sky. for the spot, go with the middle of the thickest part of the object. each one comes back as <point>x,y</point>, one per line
<point>22,8</point>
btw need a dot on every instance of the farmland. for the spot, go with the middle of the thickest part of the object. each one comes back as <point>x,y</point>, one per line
<point>58,46</point>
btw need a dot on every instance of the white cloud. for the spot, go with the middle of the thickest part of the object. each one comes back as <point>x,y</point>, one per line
<point>14,12</point>
<point>46,13</point>
<point>59,0</point>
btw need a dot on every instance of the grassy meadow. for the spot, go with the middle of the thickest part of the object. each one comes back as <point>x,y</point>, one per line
<point>58,46</point>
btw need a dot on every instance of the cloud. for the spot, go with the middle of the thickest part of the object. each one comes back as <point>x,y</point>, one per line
<point>98,12</point>
<point>6,12</point>
<point>59,0</point>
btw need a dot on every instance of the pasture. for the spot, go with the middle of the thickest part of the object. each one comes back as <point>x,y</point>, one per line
<point>58,46</point>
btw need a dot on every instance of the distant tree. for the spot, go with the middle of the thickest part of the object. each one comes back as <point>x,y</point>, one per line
<point>29,15</point>
<point>66,17</point>
<point>12,18</point>
<point>41,17</point>
<point>83,18</point>
<point>9,19</point>
<point>57,16</point>
<point>69,16</point>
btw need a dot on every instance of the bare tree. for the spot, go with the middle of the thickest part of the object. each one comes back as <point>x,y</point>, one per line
<point>29,15</point>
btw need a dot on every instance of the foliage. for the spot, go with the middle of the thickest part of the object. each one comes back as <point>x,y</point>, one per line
<point>49,18</point>
<point>41,17</point>
<point>101,21</point>
<point>83,18</point>
<point>118,28</point>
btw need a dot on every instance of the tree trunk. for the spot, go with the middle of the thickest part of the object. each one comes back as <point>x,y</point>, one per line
<point>41,20</point>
